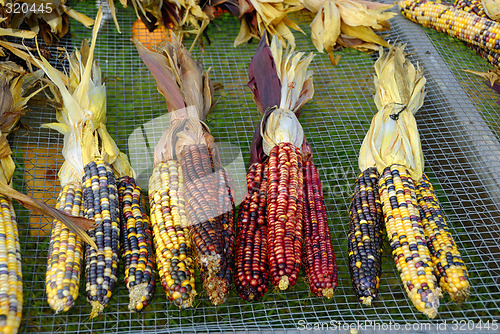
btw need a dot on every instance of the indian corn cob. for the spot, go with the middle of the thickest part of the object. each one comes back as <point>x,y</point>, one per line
<point>211,208</point>
<point>11,292</point>
<point>218,283</point>
<point>475,7</point>
<point>449,265</point>
<point>207,194</point>
<point>251,263</point>
<point>392,145</point>
<point>100,196</point>
<point>319,258</point>
<point>65,254</point>
<point>174,253</point>
<point>492,57</point>
<point>406,236</point>
<point>91,153</point>
<point>467,27</point>
<point>137,246</point>
<point>296,217</point>
<point>471,6</point>
<point>285,203</point>
<point>365,236</point>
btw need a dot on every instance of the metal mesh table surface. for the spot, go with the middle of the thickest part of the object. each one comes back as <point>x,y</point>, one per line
<point>335,123</point>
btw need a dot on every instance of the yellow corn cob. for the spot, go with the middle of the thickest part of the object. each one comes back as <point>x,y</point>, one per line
<point>171,233</point>
<point>406,235</point>
<point>465,26</point>
<point>11,285</point>
<point>449,266</point>
<point>62,279</point>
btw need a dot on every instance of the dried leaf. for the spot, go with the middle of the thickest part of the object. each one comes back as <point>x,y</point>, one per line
<point>264,81</point>
<point>165,78</point>
<point>363,33</point>
<point>17,33</point>
<point>77,225</point>
<point>6,99</point>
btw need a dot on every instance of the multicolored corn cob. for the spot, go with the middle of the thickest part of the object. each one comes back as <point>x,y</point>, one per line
<point>475,7</point>
<point>100,196</point>
<point>174,254</point>
<point>492,57</point>
<point>211,214</point>
<point>471,6</point>
<point>285,204</point>
<point>319,258</point>
<point>467,27</point>
<point>406,235</point>
<point>448,263</point>
<point>365,236</point>
<point>136,244</point>
<point>251,266</point>
<point>62,279</point>
<point>11,285</point>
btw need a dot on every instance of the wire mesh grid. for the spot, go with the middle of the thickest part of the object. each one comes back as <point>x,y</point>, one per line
<point>335,123</point>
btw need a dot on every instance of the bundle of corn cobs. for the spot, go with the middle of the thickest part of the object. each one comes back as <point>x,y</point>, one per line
<point>190,195</point>
<point>393,187</point>
<point>282,221</point>
<point>471,21</point>
<point>97,183</point>
<point>17,88</point>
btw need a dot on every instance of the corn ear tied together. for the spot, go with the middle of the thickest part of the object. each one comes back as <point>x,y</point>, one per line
<point>101,204</point>
<point>285,196</point>
<point>136,244</point>
<point>406,236</point>
<point>251,265</point>
<point>174,253</point>
<point>467,27</point>
<point>448,263</point>
<point>11,293</point>
<point>365,236</point>
<point>65,254</point>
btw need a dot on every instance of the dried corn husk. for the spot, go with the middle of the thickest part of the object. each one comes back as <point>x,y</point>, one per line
<point>82,116</point>
<point>258,16</point>
<point>492,9</point>
<point>17,87</point>
<point>188,92</point>
<point>393,135</point>
<point>280,123</point>
<point>50,20</point>
<point>348,23</point>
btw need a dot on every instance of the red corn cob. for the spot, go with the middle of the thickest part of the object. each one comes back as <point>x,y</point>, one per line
<point>251,269</point>
<point>319,258</point>
<point>284,213</point>
<point>211,209</point>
